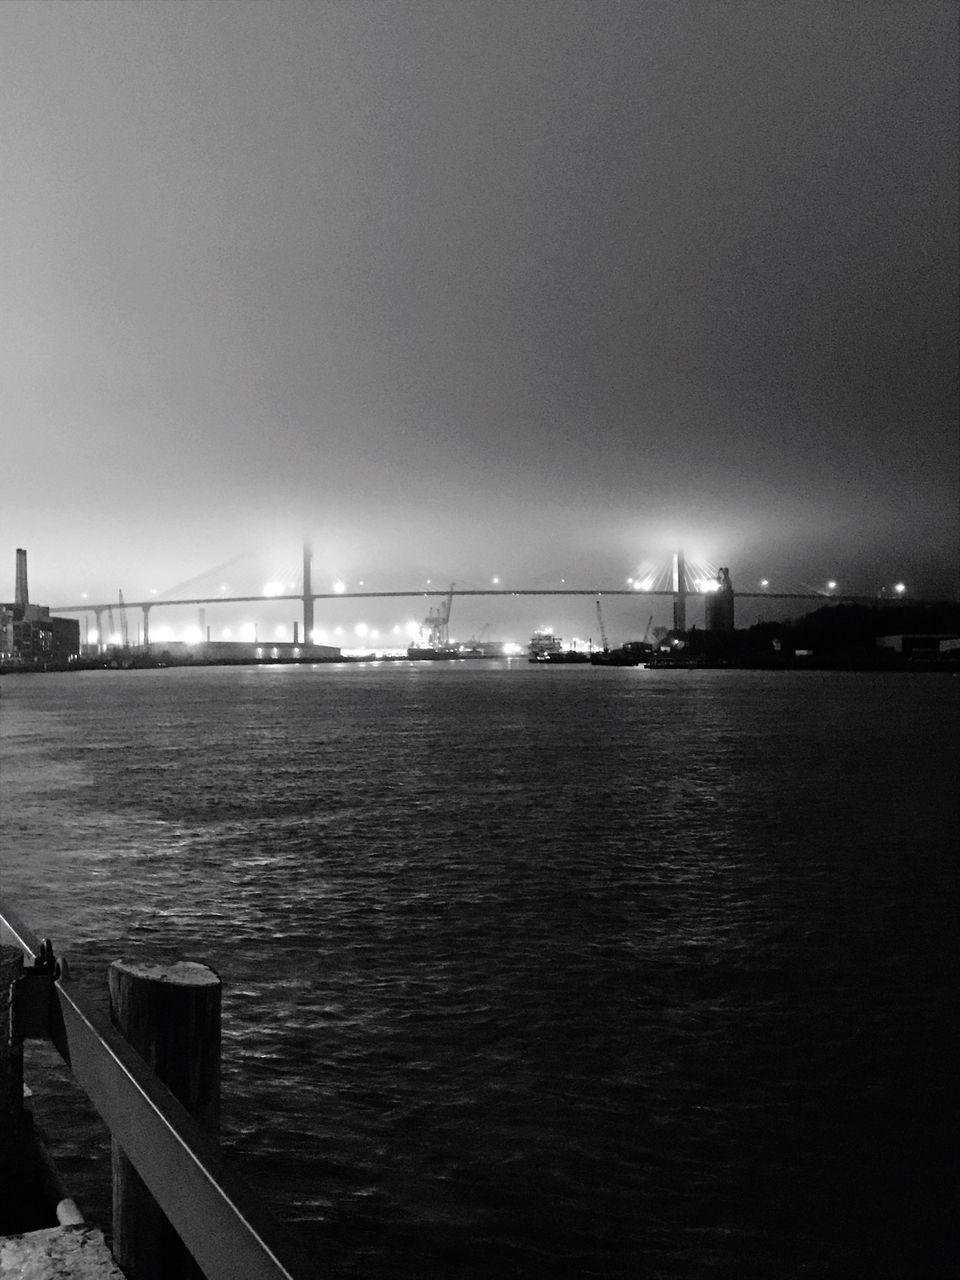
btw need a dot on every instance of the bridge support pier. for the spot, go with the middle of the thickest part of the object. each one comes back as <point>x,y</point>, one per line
<point>146,625</point>
<point>98,614</point>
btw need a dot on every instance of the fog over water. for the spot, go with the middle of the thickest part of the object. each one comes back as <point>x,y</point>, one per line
<point>474,289</point>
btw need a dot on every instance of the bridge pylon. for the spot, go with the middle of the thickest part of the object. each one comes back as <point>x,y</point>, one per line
<point>307,594</point>
<point>679,592</point>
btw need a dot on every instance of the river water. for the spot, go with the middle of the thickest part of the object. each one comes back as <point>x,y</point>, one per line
<point>531,971</point>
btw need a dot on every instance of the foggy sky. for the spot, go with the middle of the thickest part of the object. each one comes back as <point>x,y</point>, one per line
<point>473,288</point>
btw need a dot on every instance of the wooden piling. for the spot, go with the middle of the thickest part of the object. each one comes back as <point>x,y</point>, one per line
<point>170,1014</point>
<point>11,1095</point>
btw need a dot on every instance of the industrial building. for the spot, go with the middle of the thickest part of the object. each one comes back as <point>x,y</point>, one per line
<point>720,605</point>
<point>29,637</point>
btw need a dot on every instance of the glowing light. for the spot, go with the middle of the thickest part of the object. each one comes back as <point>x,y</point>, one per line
<point>223,586</point>
<point>93,635</point>
<point>708,584</point>
<point>273,588</point>
<point>361,629</point>
<point>831,585</point>
<point>83,595</point>
<point>339,587</point>
<point>280,631</point>
<point>248,631</point>
<point>161,634</point>
<point>227,633</point>
<point>412,629</point>
<point>318,635</point>
<point>153,591</point>
<point>496,582</point>
<point>511,649</point>
<point>764,582</point>
<point>116,638</point>
<point>900,588</point>
<point>193,635</point>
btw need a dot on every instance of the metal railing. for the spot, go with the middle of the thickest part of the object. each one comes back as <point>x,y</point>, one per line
<point>220,1220</point>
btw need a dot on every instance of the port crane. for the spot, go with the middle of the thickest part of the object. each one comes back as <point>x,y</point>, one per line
<point>436,625</point>
<point>603,630</point>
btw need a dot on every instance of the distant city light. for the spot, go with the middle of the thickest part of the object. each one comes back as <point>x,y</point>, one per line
<point>831,585</point>
<point>93,635</point>
<point>273,588</point>
<point>412,629</point>
<point>227,633</point>
<point>153,591</point>
<point>83,595</point>
<point>496,582</point>
<point>248,631</point>
<point>764,582</point>
<point>511,649</point>
<point>192,635</point>
<point>900,588</point>
<point>361,629</point>
<point>280,631</point>
<point>339,588</point>
<point>223,586</point>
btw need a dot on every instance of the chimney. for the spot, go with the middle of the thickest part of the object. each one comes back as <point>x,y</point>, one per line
<point>22,596</point>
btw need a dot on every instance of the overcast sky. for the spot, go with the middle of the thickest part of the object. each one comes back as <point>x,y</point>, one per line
<point>474,288</point>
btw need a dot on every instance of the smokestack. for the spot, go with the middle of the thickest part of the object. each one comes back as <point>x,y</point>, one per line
<point>22,596</point>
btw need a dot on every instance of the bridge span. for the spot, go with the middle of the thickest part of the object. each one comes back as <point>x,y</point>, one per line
<point>679,599</point>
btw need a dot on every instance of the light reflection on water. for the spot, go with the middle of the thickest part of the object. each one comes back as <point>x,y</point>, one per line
<point>531,971</point>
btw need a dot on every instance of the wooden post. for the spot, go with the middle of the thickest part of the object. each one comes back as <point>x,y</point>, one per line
<point>171,1015</point>
<point>12,1169</point>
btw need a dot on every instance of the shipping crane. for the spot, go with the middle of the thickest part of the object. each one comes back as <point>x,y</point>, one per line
<point>646,634</point>
<point>603,630</point>
<point>437,625</point>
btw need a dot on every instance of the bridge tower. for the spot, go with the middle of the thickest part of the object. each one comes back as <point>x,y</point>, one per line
<point>679,592</point>
<point>307,595</point>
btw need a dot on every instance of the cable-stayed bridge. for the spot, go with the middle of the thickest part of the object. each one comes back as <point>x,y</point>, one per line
<point>677,580</point>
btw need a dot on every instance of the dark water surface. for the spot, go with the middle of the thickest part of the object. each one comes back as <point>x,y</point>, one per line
<point>534,972</point>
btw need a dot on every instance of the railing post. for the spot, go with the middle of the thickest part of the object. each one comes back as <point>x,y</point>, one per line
<point>171,1015</point>
<point>11,1095</point>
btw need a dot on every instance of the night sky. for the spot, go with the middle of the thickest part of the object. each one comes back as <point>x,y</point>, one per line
<point>464,289</point>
